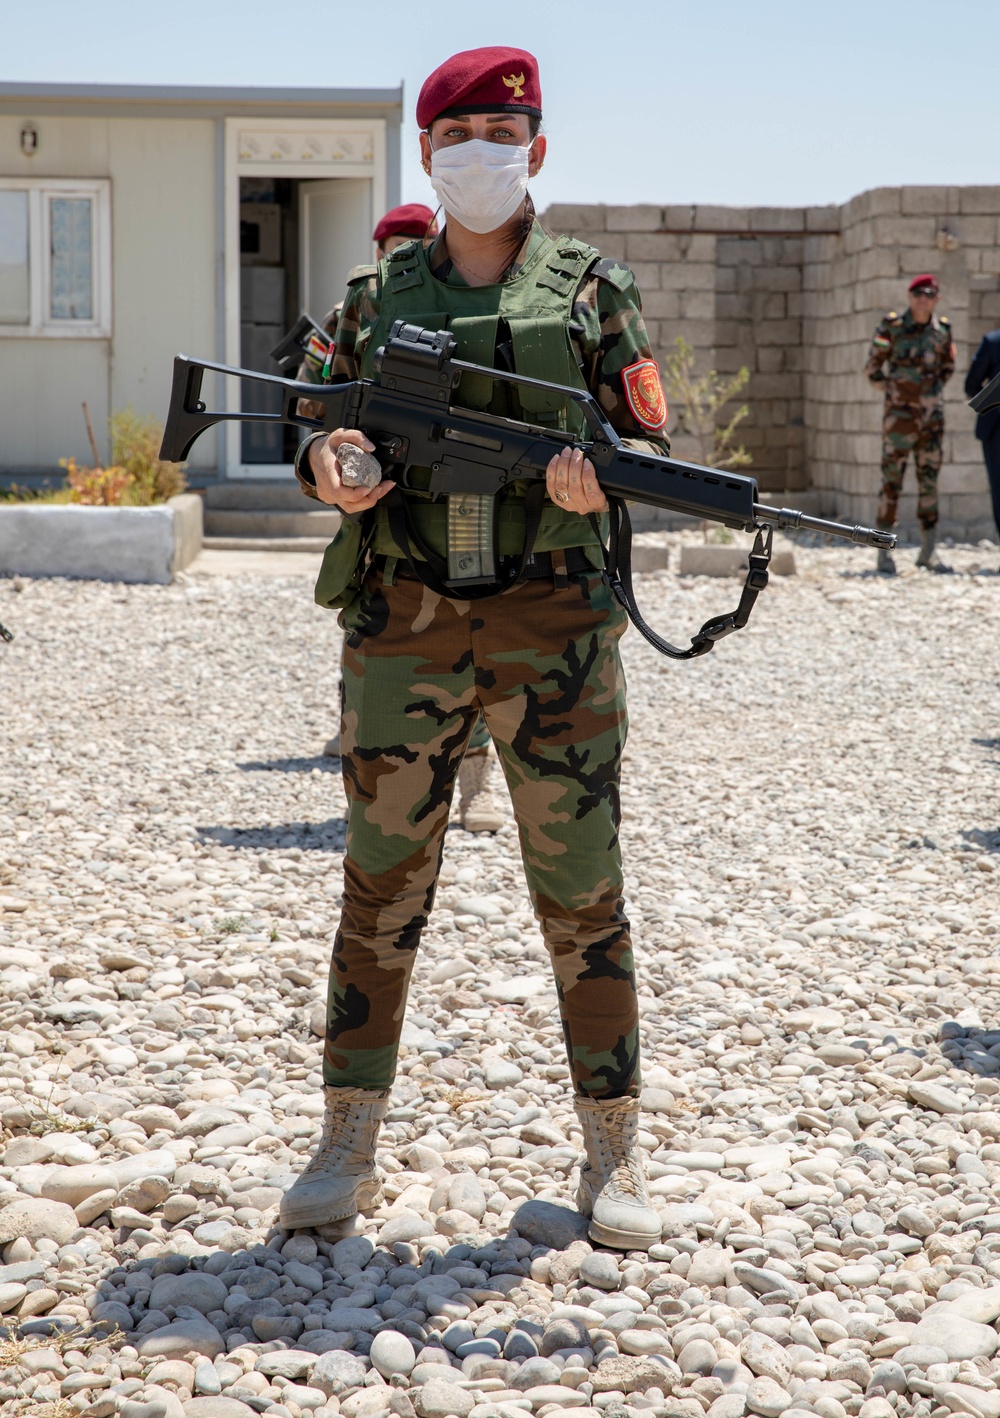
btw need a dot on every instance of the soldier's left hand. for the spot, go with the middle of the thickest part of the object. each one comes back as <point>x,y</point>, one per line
<point>572,483</point>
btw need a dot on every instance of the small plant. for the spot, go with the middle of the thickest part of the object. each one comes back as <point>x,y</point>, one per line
<point>232,925</point>
<point>136,475</point>
<point>700,399</point>
<point>274,933</point>
<point>95,487</point>
<point>135,446</point>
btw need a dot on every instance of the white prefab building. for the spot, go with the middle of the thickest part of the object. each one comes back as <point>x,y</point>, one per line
<point>137,222</point>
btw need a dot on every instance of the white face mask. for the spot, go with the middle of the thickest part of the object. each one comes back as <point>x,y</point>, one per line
<point>480,184</point>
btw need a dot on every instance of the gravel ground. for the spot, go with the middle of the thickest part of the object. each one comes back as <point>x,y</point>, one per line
<point>812,840</point>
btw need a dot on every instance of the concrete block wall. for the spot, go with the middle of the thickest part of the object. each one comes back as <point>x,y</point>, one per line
<point>794,294</point>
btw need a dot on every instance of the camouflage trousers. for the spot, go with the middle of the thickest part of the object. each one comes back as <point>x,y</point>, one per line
<point>542,665</point>
<point>906,429</point>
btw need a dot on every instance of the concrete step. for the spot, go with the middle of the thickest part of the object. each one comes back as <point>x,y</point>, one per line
<point>266,544</point>
<point>259,524</point>
<point>255,497</point>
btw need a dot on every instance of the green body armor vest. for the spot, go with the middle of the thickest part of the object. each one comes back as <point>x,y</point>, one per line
<point>527,320</point>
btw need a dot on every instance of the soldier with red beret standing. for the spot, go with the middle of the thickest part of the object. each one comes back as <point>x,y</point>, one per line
<point>480,809</point>
<point>913,356</point>
<point>473,604</point>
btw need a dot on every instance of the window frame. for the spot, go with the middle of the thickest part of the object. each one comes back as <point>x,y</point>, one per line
<point>40,192</point>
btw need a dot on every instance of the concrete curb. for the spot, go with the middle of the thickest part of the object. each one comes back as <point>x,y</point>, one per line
<point>711,560</point>
<point>136,544</point>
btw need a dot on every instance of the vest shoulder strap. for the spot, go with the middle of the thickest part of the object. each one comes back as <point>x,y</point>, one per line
<point>565,265</point>
<point>360,273</point>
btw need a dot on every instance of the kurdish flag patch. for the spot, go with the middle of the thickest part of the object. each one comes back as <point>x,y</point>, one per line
<point>644,393</point>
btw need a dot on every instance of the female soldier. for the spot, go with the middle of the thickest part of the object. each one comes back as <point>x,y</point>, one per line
<point>426,651</point>
<point>479,808</point>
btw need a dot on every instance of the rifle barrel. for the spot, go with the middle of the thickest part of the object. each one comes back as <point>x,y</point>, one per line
<point>787,519</point>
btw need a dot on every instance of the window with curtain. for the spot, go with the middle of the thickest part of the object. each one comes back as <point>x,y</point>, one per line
<point>55,258</point>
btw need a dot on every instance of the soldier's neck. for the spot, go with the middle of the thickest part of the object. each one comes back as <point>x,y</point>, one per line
<point>482,257</point>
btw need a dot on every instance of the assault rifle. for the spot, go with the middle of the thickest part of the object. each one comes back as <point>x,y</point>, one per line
<point>407,413</point>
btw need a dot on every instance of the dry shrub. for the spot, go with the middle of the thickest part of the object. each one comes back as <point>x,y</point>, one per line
<point>135,446</point>
<point>95,487</point>
<point>136,477</point>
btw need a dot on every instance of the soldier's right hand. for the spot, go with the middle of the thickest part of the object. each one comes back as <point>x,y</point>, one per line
<point>325,468</point>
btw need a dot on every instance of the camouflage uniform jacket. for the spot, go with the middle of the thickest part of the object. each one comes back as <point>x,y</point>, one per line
<point>913,361</point>
<point>606,330</point>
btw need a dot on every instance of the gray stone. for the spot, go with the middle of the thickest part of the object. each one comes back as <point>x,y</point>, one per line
<point>889,1375</point>
<point>764,1356</point>
<point>534,1372</point>
<point>439,1399</point>
<point>35,1218</point>
<point>392,1353</point>
<point>934,1095</point>
<point>72,1185</point>
<point>729,1405</point>
<point>709,1267</point>
<point>680,1218</point>
<point>196,1288</point>
<point>11,1294</point>
<point>158,1163</point>
<point>697,1356</point>
<point>959,1338</point>
<point>144,1193</point>
<point>500,1073</point>
<point>543,1223</point>
<point>336,1371</point>
<point>980,1305</point>
<point>211,1407</point>
<point>159,1403</point>
<point>920,1356</point>
<point>287,1363</point>
<point>601,1269</point>
<point>625,1374</point>
<point>563,1334</point>
<point>767,1398</point>
<point>182,1338</point>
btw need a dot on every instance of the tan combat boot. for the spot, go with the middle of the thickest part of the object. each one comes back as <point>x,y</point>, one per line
<point>886,564</point>
<point>612,1190</point>
<point>928,557</point>
<point>331,749</point>
<point>341,1179</point>
<point>479,807</point>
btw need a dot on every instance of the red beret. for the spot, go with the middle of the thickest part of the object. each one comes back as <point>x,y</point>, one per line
<point>927,282</point>
<point>491,80</point>
<point>412,219</point>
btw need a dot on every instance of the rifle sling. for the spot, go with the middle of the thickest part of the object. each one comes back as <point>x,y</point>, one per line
<point>618,575</point>
<point>432,569</point>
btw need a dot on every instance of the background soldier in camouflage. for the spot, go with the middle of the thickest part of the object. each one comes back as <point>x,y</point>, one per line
<point>540,661</point>
<point>480,807</point>
<point>912,356</point>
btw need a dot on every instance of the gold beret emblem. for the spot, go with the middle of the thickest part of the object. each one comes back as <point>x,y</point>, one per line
<point>515,82</point>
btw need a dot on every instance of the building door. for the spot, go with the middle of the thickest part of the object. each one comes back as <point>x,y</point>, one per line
<point>300,201</point>
<point>335,227</point>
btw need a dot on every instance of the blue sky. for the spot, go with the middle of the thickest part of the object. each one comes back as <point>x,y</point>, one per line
<point>769,103</point>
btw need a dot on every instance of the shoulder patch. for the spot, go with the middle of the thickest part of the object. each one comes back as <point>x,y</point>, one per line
<point>360,273</point>
<point>616,273</point>
<point>943,320</point>
<point>644,392</point>
<point>892,315</point>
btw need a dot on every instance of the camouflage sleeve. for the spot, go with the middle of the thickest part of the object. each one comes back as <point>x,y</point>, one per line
<point>310,371</point>
<point>947,355</point>
<point>356,317</point>
<point>608,329</point>
<point>878,353</point>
